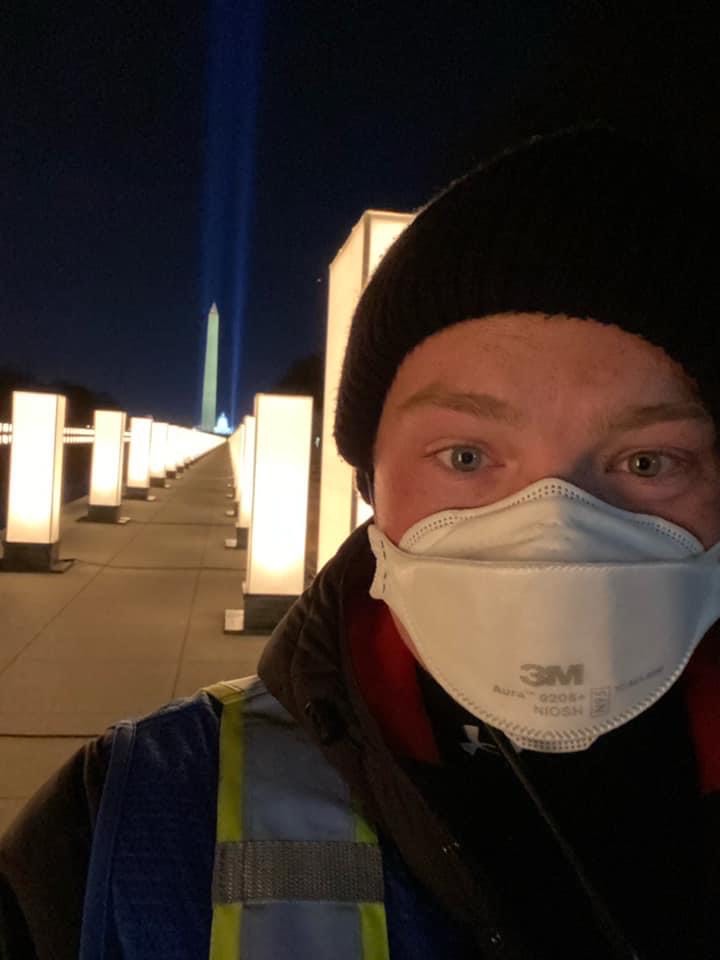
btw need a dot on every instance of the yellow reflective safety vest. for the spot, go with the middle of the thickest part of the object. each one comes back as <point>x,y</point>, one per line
<point>223,832</point>
<point>297,873</point>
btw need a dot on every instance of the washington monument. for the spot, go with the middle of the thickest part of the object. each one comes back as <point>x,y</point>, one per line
<point>209,394</point>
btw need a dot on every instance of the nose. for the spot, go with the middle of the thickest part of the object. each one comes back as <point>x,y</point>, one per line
<point>579,469</point>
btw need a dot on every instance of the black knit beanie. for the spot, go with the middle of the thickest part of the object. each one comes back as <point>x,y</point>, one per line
<point>583,222</point>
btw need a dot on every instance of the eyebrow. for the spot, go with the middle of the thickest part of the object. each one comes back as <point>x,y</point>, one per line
<point>488,407</point>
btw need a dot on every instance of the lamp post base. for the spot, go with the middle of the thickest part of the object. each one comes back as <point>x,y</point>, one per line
<point>97,514</point>
<point>241,539</point>
<point>234,621</point>
<point>138,493</point>
<point>263,612</point>
<point>33,558</point>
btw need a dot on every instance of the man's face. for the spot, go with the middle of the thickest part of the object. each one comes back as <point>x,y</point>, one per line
<point>484,408</point>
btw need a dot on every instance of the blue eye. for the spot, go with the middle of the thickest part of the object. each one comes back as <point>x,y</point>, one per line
<point>463,459</point>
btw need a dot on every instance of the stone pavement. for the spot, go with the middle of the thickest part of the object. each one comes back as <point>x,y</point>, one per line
<point>135,622</point>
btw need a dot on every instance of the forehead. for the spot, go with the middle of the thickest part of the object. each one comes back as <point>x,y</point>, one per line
<point>536,355</point>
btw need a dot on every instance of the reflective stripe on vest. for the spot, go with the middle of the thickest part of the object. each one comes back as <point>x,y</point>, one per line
<point>298,874</point>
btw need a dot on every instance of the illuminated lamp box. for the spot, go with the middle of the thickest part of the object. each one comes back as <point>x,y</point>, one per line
<point>171,456</point>
<point>235,445</point>
<point>278,526</point>
<point>176,434</point>
<point>32,535</point>
<point>138,469</point>
<point>341,510</point>
<point>106,471</point>
<point>243,467</point>
<point>247,474</point>
<point>158,442</point>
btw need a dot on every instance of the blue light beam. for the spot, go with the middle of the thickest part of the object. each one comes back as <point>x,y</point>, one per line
<point>235,36</point>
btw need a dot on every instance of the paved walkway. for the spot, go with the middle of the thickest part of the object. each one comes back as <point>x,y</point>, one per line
<point>136,621</point>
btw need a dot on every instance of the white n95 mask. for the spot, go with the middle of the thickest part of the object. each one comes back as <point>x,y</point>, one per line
<point>550,614</point>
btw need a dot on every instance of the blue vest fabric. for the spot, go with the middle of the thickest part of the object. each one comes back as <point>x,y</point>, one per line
<point>150,875</point>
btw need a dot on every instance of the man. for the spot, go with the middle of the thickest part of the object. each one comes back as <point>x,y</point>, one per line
<point>489,728</point>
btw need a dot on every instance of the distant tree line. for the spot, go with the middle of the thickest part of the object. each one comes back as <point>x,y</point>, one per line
<point>305,378</point>
<point>81,400</point>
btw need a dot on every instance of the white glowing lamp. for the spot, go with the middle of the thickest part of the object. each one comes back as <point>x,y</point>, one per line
<point>138,468</point>
<point>205,442</point>
<point>179,442</point>
<point>35,481</point>
<point>158,442</point>
<point>235,447</point>
<point>175,447</point>
<point>195,443</point>
<point>170,452</point>
<point>186,448</point>
<point>349,272</point>
<point>192,444</point>
<point>106,471</point>
<point>247,472</point>
<point>278,531</point>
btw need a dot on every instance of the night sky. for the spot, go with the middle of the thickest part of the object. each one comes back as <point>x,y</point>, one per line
<point>158,156</point>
